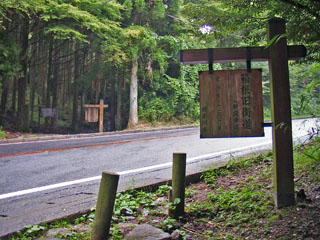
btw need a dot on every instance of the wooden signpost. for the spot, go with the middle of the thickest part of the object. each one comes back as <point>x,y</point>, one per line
<point>91,113</point>
<point>277,55</point>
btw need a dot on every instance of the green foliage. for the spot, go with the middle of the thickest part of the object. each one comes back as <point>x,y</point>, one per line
<point>31,232</point>
<point>304,81</point>
<point>128,203</point>
<point>81,18</point>
<point>128,8</point>
<point>154,109</point>
<point>233,167</point>
<point>9,56</point>
<point>65,32</point>
<point>238,206</point>
<point>140,5</point>
<point>169,224</point>
<point>307,158</point>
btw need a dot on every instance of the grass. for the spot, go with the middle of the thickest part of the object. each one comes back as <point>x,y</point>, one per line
<point>232,202</point>
<point>2,133</point>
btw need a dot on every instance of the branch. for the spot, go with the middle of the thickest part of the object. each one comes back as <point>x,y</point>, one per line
<point>303,7</point>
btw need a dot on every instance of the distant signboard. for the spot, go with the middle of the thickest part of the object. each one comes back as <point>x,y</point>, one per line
<point>231,104</point>
<point>48,112</point>
<point>91,114</point>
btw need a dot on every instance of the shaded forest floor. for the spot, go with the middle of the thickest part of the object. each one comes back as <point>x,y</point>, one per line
<point>232,202</point>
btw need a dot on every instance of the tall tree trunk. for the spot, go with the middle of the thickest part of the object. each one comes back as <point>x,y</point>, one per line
<point>112,103</point>
<point>55,83</point>
<point>4,95</point>
<point>49,81</point>
<point>32,95</point>
<point>22,124</point>
<point>75,118</point>
<point>34,70</point>
<point>119,102</point>
<point>5,80</point>
<point>14,94</point>
<point>133,113</point>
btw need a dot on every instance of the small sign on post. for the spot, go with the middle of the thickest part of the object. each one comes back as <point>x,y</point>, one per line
<point>231,104</point>
<point>47,112</point>
<point>91,113</point>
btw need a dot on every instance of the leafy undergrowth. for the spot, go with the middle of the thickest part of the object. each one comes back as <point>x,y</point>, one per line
<point>233,202</point>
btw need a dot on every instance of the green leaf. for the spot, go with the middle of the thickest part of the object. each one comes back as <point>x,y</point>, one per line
<point>275,40</point>
<point>176,201</point>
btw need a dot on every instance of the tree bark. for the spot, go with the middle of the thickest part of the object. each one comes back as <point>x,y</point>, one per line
<point>55,84</point>
<point>119,102</point>
<point>14,94</point>
<point>22,81</point>
<point>49,81</point>
<point>112,102</point>
<point>133,113</point>
<point>75,118</point>
<point>4,95</point>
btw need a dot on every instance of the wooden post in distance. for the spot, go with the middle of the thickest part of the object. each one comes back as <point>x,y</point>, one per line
<point>100,106</point>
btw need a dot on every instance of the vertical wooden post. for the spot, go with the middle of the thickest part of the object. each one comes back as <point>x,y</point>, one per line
<point>101,116</point>
<point>105,203</point>
<point>178,182</point>
<point>281,116</point>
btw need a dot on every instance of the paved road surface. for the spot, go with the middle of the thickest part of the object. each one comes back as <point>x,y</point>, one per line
<point>44,180</point>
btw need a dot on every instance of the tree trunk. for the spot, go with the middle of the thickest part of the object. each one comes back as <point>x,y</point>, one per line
<point>75,118</point>
<point>55,83</point>
<point>49,81</point>
<point>22,81</point>
<point>4,96</point>
<point>133,113</point>
<point>119,102</point>
<point>14,94</point>
<point>112,102</point>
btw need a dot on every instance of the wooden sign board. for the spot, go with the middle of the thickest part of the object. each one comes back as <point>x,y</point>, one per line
<point>91,114</point>
<point>231,104</point>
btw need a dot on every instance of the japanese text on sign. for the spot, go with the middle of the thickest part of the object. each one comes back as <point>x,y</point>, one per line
<point>231,103</point>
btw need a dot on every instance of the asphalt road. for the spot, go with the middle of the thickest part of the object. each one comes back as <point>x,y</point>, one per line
<point>44,180</point>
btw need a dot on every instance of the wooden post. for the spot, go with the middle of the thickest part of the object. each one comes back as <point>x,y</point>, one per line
<point>178,182</point>
<point>281,116</point>
<point>101,106</point>
<point>105,203</point>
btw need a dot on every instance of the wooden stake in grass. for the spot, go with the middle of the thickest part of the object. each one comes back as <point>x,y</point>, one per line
<point>104,210</point>
<point>178,184</point>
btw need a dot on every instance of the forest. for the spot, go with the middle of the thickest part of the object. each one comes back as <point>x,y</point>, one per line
<point>62,54</point>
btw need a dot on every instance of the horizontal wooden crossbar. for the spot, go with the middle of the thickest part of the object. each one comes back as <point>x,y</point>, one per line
<point>95,105</point>
<point>220,55</point>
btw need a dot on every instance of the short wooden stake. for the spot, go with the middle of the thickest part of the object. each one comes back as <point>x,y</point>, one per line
<point>105,203</point>
<point>178,183</point>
